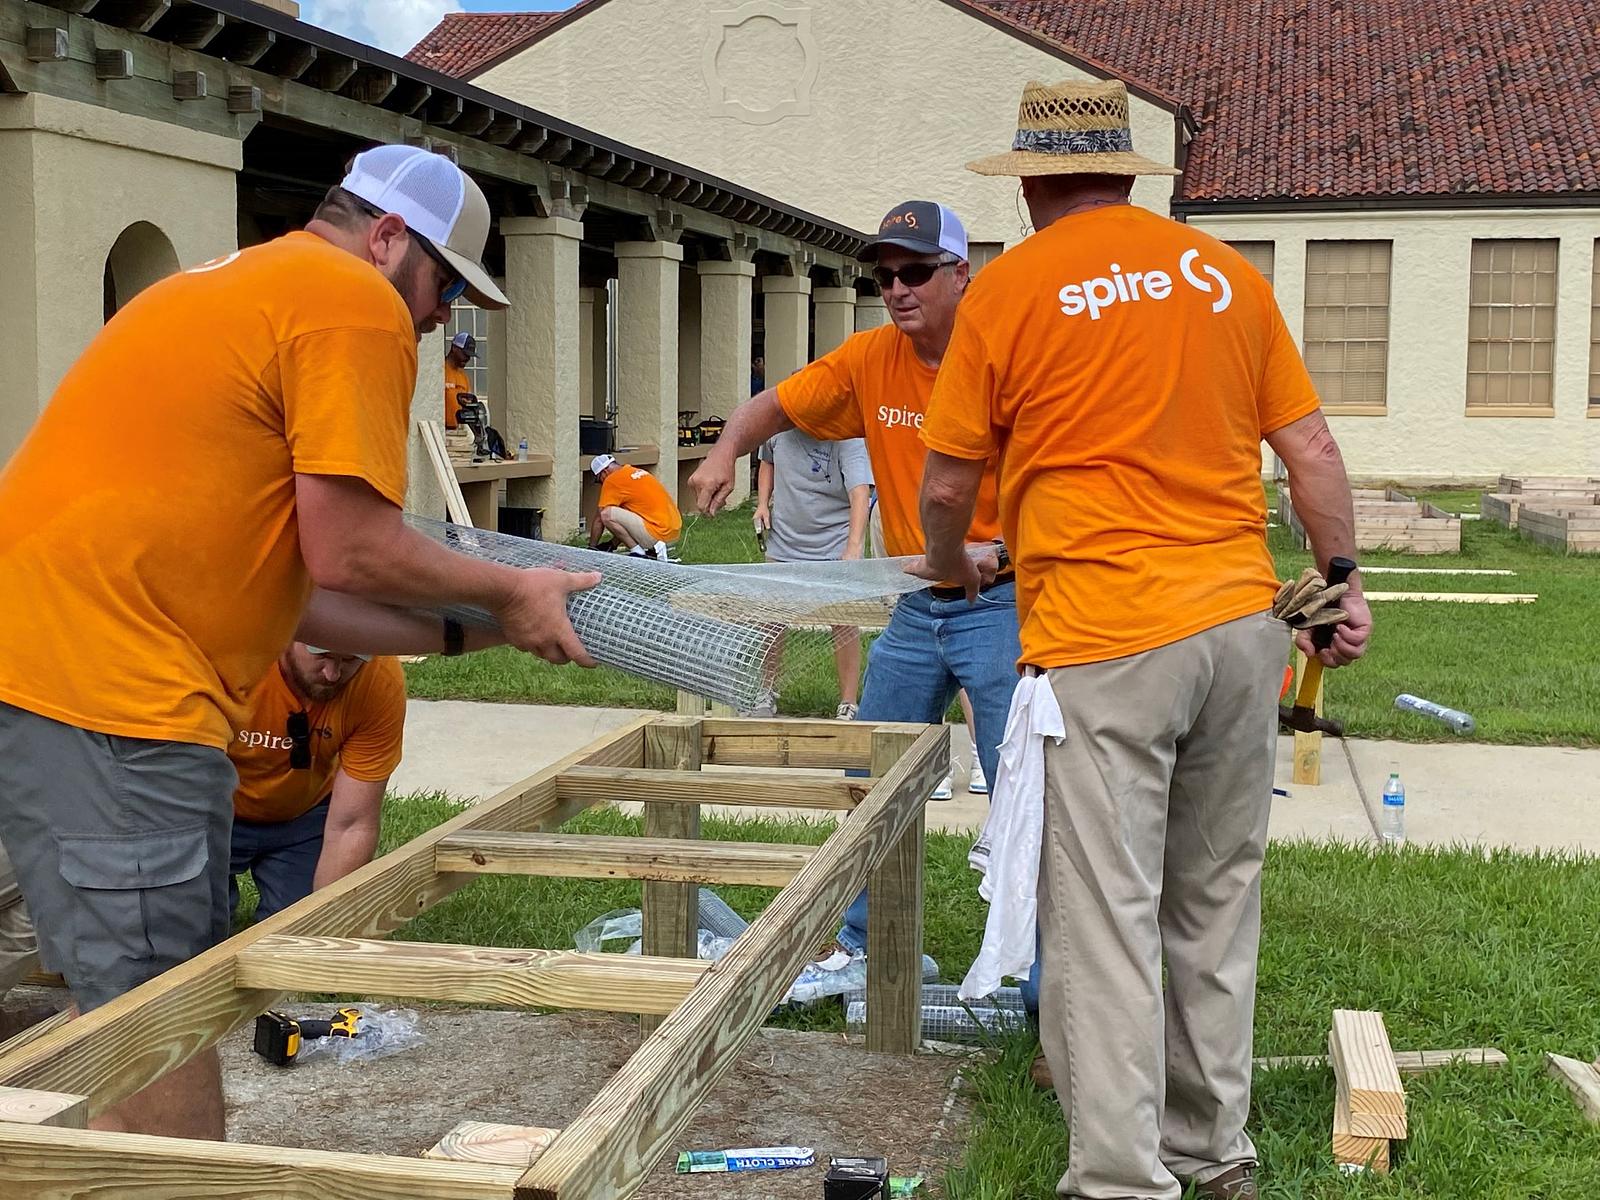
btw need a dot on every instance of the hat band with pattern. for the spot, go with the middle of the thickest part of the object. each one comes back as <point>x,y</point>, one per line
<point>1074,141</point>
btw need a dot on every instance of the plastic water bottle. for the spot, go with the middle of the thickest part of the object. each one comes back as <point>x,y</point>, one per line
<point>522,450</point>
<point>1459,721</point>
<point>1392,820</point>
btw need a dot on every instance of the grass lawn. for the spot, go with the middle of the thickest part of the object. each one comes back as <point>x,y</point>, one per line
<point>1456,948</point>
<point>1529,674</point>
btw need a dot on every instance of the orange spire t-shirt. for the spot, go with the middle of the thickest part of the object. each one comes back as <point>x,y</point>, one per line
<point>642,494</point>
<point>149,552</point>
<point>361,732</point>
<point>1125,367</point>
<point>875,387</point>
<point>457,383</point>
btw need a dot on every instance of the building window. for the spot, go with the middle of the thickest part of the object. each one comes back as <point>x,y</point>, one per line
<point>1511,326</point>
<point>1258,254</point>
<point>468,317</point>
<point>1594,333</point>
<point>981,254</point>
<point>1347,322</point>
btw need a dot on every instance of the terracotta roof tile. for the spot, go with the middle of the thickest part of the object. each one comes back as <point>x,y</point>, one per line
<point>462,42</point>
<point>1352,98</point>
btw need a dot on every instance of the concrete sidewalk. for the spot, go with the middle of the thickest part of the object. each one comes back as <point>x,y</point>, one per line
<point>1524,797</point>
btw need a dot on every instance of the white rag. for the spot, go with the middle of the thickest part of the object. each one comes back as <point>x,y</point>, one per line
<point>1007,852</point>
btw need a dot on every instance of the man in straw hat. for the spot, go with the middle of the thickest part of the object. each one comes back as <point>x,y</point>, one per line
<point>1128,367</point>
<point>247,493</point>
<point>876,386</point>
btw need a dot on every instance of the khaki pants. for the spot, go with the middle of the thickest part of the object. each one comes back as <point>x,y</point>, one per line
<point>1155,826</point>
<point>18,946</point>
<point>630,523</point>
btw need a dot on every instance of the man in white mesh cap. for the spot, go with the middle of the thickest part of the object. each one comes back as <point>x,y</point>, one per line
<point>253,498</point>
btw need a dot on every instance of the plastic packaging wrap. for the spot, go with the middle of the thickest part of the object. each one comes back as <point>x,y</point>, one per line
<point>380,1033</point>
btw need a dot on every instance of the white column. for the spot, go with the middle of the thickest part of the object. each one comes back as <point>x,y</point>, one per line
<point>836,317</point>
<point>726,294</point>
<point>424,493</point>
<point>542,361</point>
<point>647,350</point>
<point>788,325</point>
<point>870,312</point>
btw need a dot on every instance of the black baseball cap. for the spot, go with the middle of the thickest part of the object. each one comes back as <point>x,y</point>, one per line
<point>921,226</point>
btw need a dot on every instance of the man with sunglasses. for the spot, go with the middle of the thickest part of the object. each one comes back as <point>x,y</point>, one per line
<point>314,757</point>
<point>246,492</point>
<point>877,386</point>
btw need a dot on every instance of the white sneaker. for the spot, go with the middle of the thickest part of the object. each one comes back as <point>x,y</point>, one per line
<point>945,790</point>
<point>661,552</point>
<point>638,552</point>
<point>976,783</point>
<point>845,712</point>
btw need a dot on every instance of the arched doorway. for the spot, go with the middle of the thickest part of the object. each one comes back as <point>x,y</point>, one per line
<point>141,256</point>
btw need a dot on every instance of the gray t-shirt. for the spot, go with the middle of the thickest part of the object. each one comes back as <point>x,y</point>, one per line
<point>811,484</point>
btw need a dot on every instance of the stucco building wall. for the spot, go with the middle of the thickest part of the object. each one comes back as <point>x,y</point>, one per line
<point>1427,433</point>
<point>840,107</point>
<point>73,178</point>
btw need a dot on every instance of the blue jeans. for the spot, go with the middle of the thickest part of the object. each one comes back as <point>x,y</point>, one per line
<point>281,857</point>
<point>931,649</point>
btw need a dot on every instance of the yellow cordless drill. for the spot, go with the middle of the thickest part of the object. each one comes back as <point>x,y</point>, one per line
<point>279,1037</point>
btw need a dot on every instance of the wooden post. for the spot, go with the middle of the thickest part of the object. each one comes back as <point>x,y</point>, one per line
<point>1307,746</point>
<point>671,911</point>
<point>690,705</point>
<point>894,924</point>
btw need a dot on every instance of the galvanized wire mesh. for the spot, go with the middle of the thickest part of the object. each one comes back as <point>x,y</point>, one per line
<point>708,629</point>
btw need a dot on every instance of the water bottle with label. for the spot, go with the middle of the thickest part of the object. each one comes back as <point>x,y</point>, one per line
<point>522,450</point>
<point>1392,819</point>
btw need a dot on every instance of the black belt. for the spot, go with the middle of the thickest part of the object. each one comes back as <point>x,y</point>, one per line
<point>956,593</point>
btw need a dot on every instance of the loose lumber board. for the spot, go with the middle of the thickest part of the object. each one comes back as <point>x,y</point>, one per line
<point>525,978</point>
<point>455,502</point>
<point>1409,1062</point>
<point>592,856</point>
<point>1582,1080</point>
<point>118,1049</point>
<point>1459,597</point>
<point>741,788</point>
<point>894,925</point>
<point>45,1163</point>
<point>1351,1150</point>
<point>606,1153</point>
<point>1365,570</point>
<point>485,1142</point>
<point>1367,1076</point>
<point>44,1108</point>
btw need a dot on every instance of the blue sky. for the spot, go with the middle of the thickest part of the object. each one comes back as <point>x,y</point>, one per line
<point>397,25</point>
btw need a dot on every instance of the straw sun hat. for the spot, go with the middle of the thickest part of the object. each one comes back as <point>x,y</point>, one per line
<point>1072,129</point>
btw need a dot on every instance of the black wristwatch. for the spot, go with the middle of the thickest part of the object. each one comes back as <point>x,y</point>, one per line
<point>455,639</point>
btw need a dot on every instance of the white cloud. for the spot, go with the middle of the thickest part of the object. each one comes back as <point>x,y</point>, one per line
<point>392,25</point>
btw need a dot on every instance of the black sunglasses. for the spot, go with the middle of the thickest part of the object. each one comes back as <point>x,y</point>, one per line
<point>299,741</point>
<point>452,291</point>
<point>913,275</point>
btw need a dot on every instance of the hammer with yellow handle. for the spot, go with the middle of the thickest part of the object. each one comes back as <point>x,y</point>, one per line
<point>1302,605</point>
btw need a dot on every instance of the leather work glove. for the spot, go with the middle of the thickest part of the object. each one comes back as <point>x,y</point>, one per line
<point>1306,602</point>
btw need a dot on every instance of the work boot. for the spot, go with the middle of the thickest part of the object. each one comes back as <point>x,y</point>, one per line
<point>1236,1183</point>
<point>1042,1079</point>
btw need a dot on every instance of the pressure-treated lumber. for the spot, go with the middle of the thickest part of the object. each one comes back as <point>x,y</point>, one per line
<point>1364,1066</point>
<point>734,788</point>
<point>44,1163</point>
<point>1459,597</point>
<point>44,1108</point>
<point>1582,1080</point>
<point>34,1032</point>
<point>455,502</point>
<point>670,912</point>
<point>894,925</point>
<point>1409,1062</point>
<point>622,983</point>
<point>1352,1149</point>
<point>1366,570</point>
<point>588,856</point>
<point>485,1142</point>
<point>608,1150</point>
<point>1307,746</point>
<point>116,1050</point>
<point>1387,520</point>
<point>731,743</point>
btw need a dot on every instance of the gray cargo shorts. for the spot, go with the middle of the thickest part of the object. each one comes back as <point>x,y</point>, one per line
<point>121,847</point>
